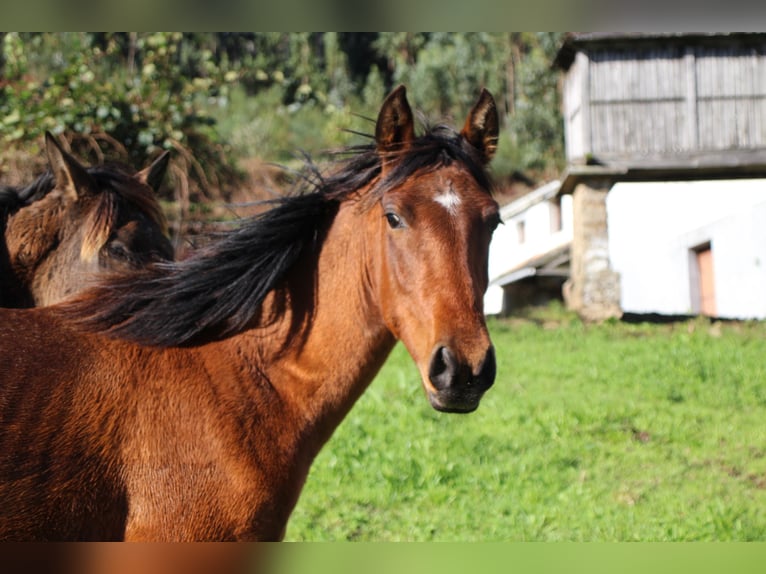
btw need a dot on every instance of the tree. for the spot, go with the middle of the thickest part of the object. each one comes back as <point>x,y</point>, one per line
<point>443,71</point>
<point>535,125</point>
<point>115,96</point>
<point>152,91</point>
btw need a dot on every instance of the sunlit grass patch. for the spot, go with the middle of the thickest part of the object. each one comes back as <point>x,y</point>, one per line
<point>591,432</point>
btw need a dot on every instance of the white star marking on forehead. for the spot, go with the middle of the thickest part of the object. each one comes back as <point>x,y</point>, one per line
<point>449,200</point>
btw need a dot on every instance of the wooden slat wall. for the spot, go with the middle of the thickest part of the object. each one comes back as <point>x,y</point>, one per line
<point>731,94</point>
<point>665,100</point>
<point>573,85</point>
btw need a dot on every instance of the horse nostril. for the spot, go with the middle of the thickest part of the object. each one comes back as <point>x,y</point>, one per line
<point>443,367</point>
<point>447,373</point>
<point>487,371</point>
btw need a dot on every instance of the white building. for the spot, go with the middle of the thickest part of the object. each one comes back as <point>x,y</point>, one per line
<point>666,167</point>
<point>529,253</point>
<point>662,208</point>
<point>690,247</point>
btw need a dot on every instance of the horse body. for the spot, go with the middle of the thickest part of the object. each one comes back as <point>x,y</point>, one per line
<point>142,434</point>
<point>49,457</point>
<point>74,224</point>
<point>280,402</point>
<point>279,411</point>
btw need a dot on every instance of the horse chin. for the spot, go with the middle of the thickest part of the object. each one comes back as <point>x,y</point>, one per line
<point>453,404</point>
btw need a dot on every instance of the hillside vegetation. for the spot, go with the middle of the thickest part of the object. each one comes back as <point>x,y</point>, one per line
<point>219,98</point>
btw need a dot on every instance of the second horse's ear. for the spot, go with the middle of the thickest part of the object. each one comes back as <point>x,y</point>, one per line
<point>71,177</point>
<point>153,174</point>
<point>481,126</point>
<point>395,128</point>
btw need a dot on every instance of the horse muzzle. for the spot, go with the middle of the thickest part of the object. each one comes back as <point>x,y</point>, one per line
<point>457,386</point>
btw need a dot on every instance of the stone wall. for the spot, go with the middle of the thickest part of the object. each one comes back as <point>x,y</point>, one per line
<point>593,289</point>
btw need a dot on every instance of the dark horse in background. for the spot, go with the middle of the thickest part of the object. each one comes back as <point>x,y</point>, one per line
<point>187,400</point>
<point>73,224</point>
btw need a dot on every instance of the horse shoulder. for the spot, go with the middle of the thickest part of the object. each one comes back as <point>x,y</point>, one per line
<point>225,437</point>
<point>58,421</point>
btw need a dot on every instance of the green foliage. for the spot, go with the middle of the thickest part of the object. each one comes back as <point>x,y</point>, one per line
<point>536,126</point>
<point>449,70</point>
<point>315,78</point>
<point>374,87</point>
<point>261,126</point>
<point>591,433</point>
<point>443,72</point>
<point>267,93</point>
<point>136,103</point>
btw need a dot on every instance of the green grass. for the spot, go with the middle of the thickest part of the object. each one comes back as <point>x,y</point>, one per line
<point>610,432</point>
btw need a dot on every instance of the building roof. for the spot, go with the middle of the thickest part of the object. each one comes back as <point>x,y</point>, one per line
<point>552,263</point>
<point>546,191</point>
<point>746,164</point>
<point>578,41</point>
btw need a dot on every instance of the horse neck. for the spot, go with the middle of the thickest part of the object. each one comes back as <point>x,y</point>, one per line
<point>330,349</point>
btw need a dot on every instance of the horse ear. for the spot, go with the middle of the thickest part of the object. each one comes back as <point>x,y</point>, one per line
<point>71,177</point>
<point>481,126</point>
<point>155,173</point>
<point>395,128</point>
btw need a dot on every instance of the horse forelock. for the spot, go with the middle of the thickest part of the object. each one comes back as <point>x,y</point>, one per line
<point>9,199</point>
<point>362,175</point>
<point>438,147</point>
<point>116,191</point>
<point>98,226</point>
<point>120,183</point>
<point>142,197</point>
<point>108,179</point>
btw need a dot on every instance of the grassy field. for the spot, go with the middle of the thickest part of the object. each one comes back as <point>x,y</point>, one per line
<point>612,432</point>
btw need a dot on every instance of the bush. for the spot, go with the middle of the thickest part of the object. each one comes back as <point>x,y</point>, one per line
<point>117,97</point>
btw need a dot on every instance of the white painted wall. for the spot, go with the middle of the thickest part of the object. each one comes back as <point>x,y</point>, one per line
<point>654,225</point>
<point>507,253</point>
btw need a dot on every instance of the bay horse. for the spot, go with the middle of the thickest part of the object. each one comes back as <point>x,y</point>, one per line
<point>73,224</point>
<point>188,399</point>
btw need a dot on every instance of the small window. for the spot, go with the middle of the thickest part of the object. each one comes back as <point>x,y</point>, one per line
<point>520,231</point>
<point>555,210</point>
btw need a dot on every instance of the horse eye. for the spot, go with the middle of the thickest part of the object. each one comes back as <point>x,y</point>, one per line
<point>394,221</point>
<point>118,249</point>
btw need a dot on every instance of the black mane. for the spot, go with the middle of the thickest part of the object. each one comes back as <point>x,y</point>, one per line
<point>108,176</point>
<point>13,198</point>
<point>112,182</point>
<point>220,288</point>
